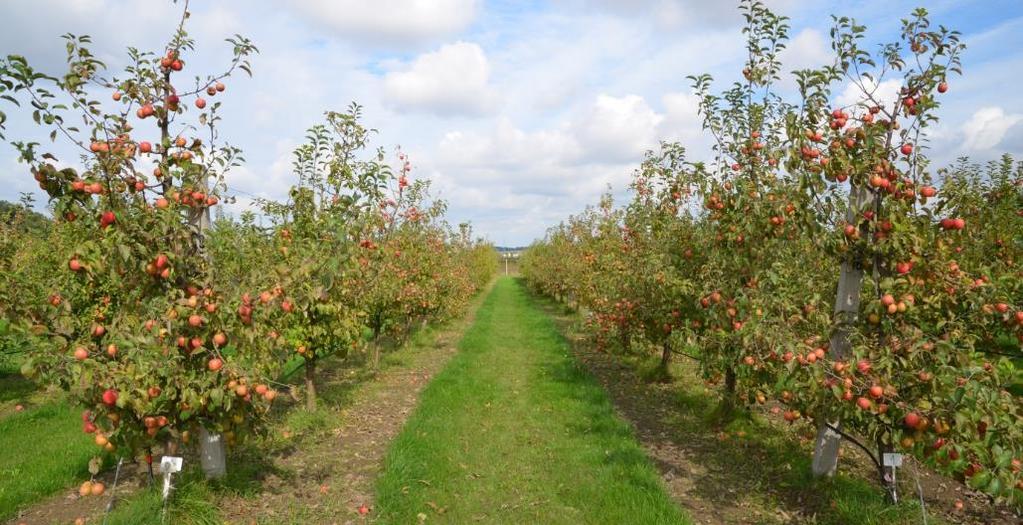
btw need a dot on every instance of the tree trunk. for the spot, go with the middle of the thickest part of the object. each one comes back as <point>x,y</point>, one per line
<point>375,344</point>
<point>728,402</point>
<point>310,384</point>
<point>663,372</point>
<point>847,307</point>
<point>666,355</point>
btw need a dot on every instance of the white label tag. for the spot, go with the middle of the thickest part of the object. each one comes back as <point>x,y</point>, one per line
<point>892,460</point>
<point>170,464</point>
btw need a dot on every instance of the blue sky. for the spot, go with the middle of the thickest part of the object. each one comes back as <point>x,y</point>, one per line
<point>521,112</point>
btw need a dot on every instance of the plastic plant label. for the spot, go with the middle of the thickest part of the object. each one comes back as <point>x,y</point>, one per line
<point>170,464</point>
<point>892,459</point>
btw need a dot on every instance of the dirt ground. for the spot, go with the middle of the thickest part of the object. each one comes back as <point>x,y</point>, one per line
<point>721,478</point>
<point>324,478</point>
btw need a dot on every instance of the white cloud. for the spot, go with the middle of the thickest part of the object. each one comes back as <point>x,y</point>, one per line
<point>670,14</point>
<point>885,93</point>
<point>617,128</point>
<point>454,80</point>
<point>508,147</point>
<point>808,49</point>
<point>389,21</point>
<point>988,127</point>
<point>682,120</point>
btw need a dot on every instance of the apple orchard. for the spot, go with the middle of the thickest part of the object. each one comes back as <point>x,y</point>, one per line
<point>161,320</point>
<point>819,265</point>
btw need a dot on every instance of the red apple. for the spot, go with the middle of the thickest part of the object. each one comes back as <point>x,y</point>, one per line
<point>110,397</point>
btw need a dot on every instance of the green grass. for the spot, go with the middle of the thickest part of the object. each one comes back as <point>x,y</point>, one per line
<point>192,503</point>
<point>42,450</point>
<point>514,431</point>
<point>760,464</point>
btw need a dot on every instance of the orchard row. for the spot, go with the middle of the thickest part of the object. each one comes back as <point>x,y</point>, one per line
<point>162,317</point>
<point>818,264</point>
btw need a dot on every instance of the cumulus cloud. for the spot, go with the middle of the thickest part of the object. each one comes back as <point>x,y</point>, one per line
<point>670,14</point>
<point>507,147</point>
<point>553,101</point>
<point>616,129</point>
<point>808,49</point>
<point>987,127</point>
<point>682,120</point>
<point>884,93</point>
<point>389,21</point>
<point>454,80</point>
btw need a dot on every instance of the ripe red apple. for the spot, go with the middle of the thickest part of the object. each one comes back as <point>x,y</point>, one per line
<point>911,420</point>
<point>112,350</point>
<point>928,191</point>
<point>907,148</point>
<point>81,353</point>
<point>863,366</point>
<point>863,403</point>
<point>195,320</point>
<point>887,300</point>
<point>876,391</point>
<point>200,103</point>
<point>215,364</point>
<point>219,339</point>
<point>153,391</point>
<point>98,331</point>
<point>107,219</point>
<point>75,265</point>
<point>145,147</point>
<point>89,427</point>
<point>942,87</point>
<point>110,397</point>
<point>220,86</point>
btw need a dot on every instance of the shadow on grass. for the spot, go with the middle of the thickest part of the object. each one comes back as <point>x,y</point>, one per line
<point>744,463</point>
<point>13,386</point>
<point>261,464</point>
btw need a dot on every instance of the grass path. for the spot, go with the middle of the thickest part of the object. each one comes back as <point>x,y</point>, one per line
<point>41,452</point>
<point>514,431</point>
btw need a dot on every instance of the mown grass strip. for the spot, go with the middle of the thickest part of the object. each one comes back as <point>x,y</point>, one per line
<point>42,450</point>
<point>513,431</point>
